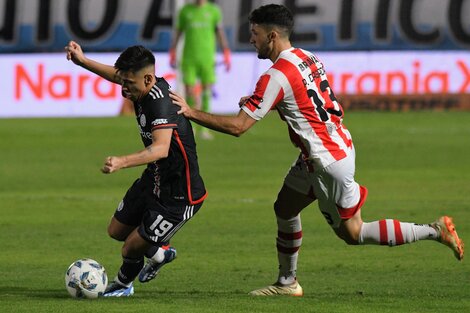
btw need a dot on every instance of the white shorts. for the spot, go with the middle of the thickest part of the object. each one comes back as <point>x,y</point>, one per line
<point>339,196</point>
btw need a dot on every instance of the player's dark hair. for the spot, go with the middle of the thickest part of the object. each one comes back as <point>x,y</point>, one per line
<point>134,59</point>
<point>273,15</point>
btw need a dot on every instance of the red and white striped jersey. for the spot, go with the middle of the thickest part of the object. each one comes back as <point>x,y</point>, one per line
<point>296,85</point>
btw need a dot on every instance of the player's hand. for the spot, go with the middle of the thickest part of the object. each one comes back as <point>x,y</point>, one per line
<point>75,53</point>
<point>181,102</point>
<point>243,100</point>
<point>111,165</point>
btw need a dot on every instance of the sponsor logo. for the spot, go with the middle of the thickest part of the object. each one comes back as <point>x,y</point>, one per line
<point>144,134</point>
<point>43,81</point>
<point>160,121</point>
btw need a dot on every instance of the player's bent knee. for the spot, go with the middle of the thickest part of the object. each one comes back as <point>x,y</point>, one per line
<point>118,230</point>
<point>290,203</point>
<point>350,240</point>
<point>115,234</point>
<point>349,229</point>
<point>282,212</point>
<point>134,246</point>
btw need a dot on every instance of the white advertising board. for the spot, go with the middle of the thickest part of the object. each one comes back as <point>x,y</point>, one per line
<point>47,85</point>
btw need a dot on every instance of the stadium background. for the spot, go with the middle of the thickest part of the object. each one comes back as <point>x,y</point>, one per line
<point>409,54</point>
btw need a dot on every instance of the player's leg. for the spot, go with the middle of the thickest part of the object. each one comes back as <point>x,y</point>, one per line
<point>191,90</point>
<point>132,262</point>
<point>287,207</point>
<point>206,99</point>
<point>126,217</point>
<point>393,232</point>
<point>123,224</point>
<point>293,197</point>
<point>341,198</point>
<point>119,231</point>
<point>192,96</point>
<point>159,227</point>
<point>189,73</point>
<point>130,210</point>
<point>206,73</point>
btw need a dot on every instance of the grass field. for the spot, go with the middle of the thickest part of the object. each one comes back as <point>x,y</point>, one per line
<point>55,206</point>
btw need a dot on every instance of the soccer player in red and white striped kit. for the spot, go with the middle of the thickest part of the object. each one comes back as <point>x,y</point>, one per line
<point>297,87</point>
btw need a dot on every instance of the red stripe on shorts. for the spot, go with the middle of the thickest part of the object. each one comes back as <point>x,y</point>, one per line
<point>347,213</point>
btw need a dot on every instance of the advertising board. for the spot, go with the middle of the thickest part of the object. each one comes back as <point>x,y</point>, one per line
<point>35,85</point>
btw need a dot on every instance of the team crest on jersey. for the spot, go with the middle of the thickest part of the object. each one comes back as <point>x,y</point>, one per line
<point>120,206</point>
<point>143,120</point>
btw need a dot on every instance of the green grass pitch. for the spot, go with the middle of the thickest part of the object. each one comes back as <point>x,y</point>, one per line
<point>55,206</point>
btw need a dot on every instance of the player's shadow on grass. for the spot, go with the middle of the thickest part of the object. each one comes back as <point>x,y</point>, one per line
<point>59,293</point>
<point>184,294</point>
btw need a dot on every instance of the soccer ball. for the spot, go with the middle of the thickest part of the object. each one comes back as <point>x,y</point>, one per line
<point>86,278</point>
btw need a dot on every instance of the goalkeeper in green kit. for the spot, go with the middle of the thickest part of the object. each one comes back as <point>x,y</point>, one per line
<point>201,24</point>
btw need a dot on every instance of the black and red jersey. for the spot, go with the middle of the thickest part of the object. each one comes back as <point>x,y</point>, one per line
<point>176,178</point>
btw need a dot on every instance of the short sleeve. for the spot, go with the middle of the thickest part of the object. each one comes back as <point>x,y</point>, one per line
<point>180,19</point>
<point>268,93</point>
<point>162,112</point>
<point>217,15</point>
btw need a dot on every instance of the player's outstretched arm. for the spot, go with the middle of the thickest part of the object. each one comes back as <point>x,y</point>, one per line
<point>76,55</point>
<point>234,125</point>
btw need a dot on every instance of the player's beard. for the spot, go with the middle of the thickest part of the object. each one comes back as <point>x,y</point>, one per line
<point>264,51</point>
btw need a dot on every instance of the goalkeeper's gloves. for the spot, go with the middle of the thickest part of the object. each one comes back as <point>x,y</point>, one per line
<point>173,58</point>
<point>227,59</point>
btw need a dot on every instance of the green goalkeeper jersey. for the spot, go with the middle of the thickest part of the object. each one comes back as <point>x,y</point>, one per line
<point>198,23</point>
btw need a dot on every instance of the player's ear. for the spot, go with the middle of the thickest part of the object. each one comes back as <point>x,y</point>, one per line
<point>272,35</point>
<point>148,79</point>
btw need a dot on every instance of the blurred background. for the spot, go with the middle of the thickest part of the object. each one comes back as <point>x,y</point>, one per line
<point>395,55</point>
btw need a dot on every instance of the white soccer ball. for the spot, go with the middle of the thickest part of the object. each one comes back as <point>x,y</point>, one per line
<point>86,278</point>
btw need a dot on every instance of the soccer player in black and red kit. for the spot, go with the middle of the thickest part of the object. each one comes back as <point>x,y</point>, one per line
<point>170,190</point>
